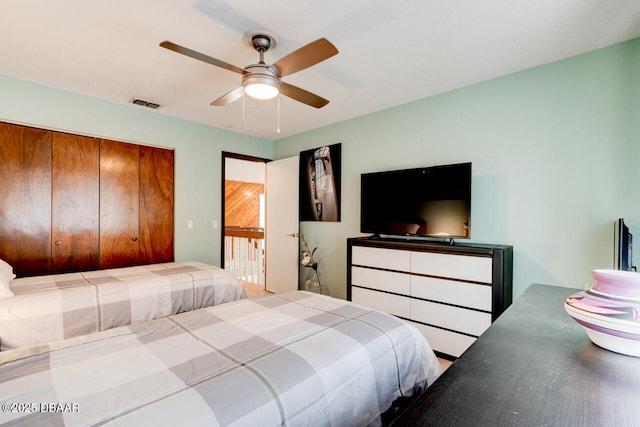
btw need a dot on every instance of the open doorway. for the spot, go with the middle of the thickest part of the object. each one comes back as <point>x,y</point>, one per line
<point>243,218</point>
<point>265,249</point>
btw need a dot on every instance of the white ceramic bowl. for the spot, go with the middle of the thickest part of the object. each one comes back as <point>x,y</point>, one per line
<point>618,283</point>
<point>610,322</point>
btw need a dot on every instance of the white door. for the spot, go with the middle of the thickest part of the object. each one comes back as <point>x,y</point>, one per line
<point>281,231</point>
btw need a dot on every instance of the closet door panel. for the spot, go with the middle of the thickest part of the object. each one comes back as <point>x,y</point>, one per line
<point>119,204</point>
<point>75,203</point>
<point>25,199</point>
<point>156,205</point>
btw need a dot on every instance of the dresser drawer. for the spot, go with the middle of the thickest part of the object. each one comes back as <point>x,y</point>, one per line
<point>464,267</point>
<point>449,317</point>
<point>452,292</point>
<point>445,341</point>
<point>390,281</point>
<point>389,303</point>
<point>389,259</point>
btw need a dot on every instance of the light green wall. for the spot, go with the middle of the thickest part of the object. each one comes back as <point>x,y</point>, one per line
<point>197,150</point>
<point>554,152</point>
<point>631,154</point>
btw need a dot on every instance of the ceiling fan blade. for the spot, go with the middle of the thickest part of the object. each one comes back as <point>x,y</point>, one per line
<point>302,95</point>
<point>201,57</point>
<point>228,97</point>
<point>305,57</point>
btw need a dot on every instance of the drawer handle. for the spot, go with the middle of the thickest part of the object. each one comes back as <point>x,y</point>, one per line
<point>58,242</point>
<point>134,238</point>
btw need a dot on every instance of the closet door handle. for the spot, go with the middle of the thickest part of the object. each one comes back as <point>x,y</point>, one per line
<point>134,238</point>
<point>57,242</point>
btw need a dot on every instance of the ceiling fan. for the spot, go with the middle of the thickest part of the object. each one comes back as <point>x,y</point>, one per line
<point>263,81</point>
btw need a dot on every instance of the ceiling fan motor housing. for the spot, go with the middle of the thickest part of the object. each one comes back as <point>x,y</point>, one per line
<point>261,76</point>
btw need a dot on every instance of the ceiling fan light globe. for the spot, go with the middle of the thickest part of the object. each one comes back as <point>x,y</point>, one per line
<point>262,91</point>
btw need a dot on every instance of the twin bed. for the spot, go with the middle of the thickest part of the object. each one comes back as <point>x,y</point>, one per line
<point>180,344</point>
<point>53,307</point>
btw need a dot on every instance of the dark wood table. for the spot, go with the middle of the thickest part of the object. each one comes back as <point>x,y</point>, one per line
<point>535,366</point>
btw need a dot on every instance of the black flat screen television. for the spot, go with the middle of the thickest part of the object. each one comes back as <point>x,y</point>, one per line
<point>623,246</point>
<point>424,202</point>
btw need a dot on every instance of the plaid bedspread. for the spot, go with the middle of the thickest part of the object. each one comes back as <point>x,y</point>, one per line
<point>295,359</point>
<point>49,308</point>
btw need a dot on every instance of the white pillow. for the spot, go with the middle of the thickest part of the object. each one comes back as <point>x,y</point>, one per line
<point>6,276</point>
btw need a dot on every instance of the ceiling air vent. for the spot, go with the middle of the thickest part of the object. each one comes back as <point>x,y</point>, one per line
<point>145,103</point>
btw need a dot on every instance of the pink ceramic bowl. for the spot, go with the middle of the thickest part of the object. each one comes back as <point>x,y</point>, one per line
<point>624,284</point>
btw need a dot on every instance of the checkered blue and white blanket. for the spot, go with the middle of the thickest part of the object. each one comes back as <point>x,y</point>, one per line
<point>294,359</point>
<point>49,308</point>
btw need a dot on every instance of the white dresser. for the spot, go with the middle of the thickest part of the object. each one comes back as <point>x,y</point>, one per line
<point>451,293</point>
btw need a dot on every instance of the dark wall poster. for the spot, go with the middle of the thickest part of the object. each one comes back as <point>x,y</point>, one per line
<point>320,183</point>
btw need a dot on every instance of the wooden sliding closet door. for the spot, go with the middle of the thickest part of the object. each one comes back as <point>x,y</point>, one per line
<point>119,204</point>
<point>75,202</point>
<point>156,205</point>
<point>25,198</point>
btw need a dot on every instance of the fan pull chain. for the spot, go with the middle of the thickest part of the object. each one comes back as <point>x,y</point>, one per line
<point>278,129</point>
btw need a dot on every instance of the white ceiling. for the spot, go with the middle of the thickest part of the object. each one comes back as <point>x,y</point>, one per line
<point>391,52</point>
